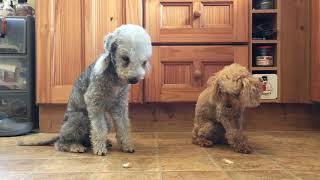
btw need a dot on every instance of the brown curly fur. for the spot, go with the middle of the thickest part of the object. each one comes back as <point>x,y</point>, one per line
<point>218,114</point>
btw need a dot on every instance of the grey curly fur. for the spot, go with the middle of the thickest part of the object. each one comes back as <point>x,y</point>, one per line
<point>103,89</point>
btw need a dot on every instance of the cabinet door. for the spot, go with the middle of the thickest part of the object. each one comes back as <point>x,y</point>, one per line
<point>180,73</point>
<point>197,20</point>
<point>315,51</point>
<point>103,17</point>
<point>60,48</point>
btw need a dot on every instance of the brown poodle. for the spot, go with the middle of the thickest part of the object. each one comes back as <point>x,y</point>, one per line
<point>219,109</point>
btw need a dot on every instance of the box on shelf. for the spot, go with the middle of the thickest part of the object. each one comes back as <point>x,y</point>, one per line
<point>270,85</point>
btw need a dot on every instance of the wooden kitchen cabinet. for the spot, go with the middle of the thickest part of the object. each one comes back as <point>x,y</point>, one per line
<point>179,73</point>
<point>315,51</point>
<point>70,37</point>
<point>197,21</point>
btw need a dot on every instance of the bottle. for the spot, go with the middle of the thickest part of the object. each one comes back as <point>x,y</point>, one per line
<point>7,10</point>
<point>24,9</point>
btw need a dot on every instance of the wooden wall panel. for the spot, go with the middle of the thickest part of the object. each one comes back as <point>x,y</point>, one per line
<point>315,51</point>
<point>60,51</point>
<point>295,51</point>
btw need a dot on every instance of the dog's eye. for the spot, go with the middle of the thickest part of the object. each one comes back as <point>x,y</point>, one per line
<point>144,64</point>
<point>126,61</point>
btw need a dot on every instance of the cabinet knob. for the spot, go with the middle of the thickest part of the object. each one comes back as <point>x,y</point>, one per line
<point>197,74</point>
<point>197,14</point>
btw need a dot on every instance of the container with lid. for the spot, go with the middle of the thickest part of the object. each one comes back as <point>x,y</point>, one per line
<point>24,9</point>
<point>264,4</point>
<point>264,56</point>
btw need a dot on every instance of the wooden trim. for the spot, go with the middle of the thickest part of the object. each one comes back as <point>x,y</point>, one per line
<point>179,117</point>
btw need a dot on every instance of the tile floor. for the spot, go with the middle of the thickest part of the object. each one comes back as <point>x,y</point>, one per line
<point>166,156</point>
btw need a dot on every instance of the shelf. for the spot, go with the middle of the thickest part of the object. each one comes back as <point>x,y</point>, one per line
<point>264,41</point>
<point>264,11</point>
<point>264,68</point>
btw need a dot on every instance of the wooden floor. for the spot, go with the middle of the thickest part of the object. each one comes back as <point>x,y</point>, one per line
<point>169,155</point>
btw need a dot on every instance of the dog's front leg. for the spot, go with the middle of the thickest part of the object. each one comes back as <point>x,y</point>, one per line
<point>99,129</point>
<point>99,132</point>
<point>119,113</point>
<point>234,135</point>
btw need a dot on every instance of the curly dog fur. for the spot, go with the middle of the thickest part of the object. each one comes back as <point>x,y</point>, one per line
<point>219,109</point>
<point>103,87</point>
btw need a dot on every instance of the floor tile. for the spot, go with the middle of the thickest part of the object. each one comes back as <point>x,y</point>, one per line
<point>225,151</point>
<point>260,175</point>
<point>192,175</point>
<point>71,165</point>
<point>57,176</point>
<point>12,176</point>
<point>128,175</point>
<point>26,152</point>
<point>246,162</point>
<point>183,151</point>
<point>307,175</point>
<point>114,164</point>
<point>175,139</point>
<point>299,163</point>
<point>192,163</point>
<point>21,165</point>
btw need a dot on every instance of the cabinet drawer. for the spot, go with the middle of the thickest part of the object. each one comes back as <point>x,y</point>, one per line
<point>197,20</point>
<point>179,73</point>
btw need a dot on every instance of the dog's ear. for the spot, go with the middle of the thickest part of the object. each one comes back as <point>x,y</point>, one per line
<point>107,42</point>
<point>101,63</point>
<point>251,91</point>
<point>214,86</point>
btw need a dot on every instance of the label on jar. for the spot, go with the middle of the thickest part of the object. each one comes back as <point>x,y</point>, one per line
<point>264,60</point>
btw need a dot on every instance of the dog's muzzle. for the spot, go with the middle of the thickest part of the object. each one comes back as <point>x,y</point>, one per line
<point>133,80</point>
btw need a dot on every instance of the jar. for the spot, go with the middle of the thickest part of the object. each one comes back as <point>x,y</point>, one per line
<point>264,4</point>
<point>7,9</point>
<point>24,9</point>
<point>264,56</point>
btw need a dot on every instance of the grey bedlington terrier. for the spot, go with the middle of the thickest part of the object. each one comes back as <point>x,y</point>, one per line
<point>103,89</point>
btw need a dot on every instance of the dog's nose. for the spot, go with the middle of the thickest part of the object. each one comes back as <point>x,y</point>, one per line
<point>228,106</point>
<point>133,80</point>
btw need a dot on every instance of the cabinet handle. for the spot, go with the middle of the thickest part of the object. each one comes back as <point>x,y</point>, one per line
<point>197,74</point>
<point>197,14</point>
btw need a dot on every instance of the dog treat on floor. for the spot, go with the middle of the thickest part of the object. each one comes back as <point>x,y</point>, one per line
<point>126,165</point>
<point>227,161</point>
<point>219,109</point>
<point>103,87</point>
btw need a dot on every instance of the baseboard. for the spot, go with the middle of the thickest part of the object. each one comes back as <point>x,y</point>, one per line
<point>179,117</point>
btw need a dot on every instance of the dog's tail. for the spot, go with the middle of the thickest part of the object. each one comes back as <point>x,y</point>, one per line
<point>41,143</point>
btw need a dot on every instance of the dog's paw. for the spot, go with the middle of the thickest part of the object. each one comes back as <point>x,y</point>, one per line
<point>108,143</point>
<point>203,142</point>
<point>100,152</point>
<point>77,148</point>
<point>243,148</point>
<point>128,149</point>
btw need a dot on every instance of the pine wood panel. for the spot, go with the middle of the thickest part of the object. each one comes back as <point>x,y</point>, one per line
<point>103,17</point>
<point>201,21</point>
<point>315,51</point>
<point>70,37</point>
<point>295,51</point>
<point>60,51</point>
<point>176,15</point>
<point>180,72</point>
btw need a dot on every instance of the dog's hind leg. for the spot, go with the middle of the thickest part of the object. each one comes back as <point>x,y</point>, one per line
<point>73,132</point>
